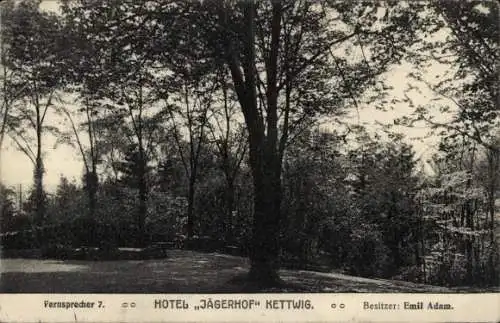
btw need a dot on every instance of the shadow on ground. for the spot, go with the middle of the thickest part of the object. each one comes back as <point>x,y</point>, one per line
<point>182,272</point>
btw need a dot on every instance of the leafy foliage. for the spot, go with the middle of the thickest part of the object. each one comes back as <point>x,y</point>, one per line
<point>198,119</point>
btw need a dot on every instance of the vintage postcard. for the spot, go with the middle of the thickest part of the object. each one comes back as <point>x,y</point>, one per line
<point>253,160</point>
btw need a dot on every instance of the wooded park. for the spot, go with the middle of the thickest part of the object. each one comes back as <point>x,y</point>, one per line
<point>235,128</point>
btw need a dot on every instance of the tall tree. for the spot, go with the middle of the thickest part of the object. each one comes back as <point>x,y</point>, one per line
<point>7,207</point>
<point>123,79</point>
<point>284,60</point>
<point>194,109</point>
<point>288,65</point>
<point>11,88</point>
<point>464,38</point>
<point>229,136</point>
<point>89,153</point>
<point>140,124</point>
<point>32,57</point>
<point>474,38</point>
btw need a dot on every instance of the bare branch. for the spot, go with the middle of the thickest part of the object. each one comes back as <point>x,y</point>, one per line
<point>77,136</point>
<point>26,149</point>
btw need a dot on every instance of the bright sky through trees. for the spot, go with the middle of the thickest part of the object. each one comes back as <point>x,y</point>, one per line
<point>16,168</point>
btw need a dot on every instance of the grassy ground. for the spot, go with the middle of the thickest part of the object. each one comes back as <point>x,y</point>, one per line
<point>182,272</point>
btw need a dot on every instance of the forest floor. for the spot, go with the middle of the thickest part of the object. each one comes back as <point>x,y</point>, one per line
<point>182,272</point>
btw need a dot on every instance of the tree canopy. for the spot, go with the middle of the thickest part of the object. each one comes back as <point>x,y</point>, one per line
<point>202,118</point>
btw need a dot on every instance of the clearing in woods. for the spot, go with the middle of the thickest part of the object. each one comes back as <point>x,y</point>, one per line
<point>182,272</point>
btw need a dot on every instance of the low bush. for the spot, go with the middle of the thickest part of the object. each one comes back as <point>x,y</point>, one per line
<point>154,252</point>
<point>204,243</point>
<point>367,254</point>
<point>56,251</point>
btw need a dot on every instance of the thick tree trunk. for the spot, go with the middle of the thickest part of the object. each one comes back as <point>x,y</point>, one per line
<point>266,164</point>
<point>38,179</point>
<point>264,253</point>
<point>265,159</point>
<point>39,194</point>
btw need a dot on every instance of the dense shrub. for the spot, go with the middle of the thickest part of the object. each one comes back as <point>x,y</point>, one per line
<point>56,251</point>
<point>367,255</point>
<point>204,243</point>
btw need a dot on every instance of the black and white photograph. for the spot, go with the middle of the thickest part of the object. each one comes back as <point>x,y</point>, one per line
<point>249,146</point>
